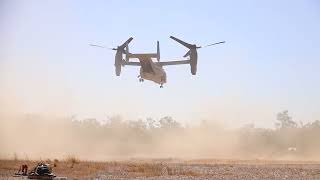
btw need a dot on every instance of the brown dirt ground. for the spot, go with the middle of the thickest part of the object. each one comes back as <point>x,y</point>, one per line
<point>174,169</point>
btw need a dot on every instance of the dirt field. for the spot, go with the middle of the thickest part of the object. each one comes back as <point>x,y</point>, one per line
<point>175,169</point>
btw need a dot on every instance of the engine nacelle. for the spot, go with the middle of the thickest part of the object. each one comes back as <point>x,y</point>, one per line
<point>193,61</point>
<point>122,49</point>
<point>117,62</point>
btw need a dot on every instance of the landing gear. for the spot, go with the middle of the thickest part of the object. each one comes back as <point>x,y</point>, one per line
<point>140,79</point>
<point>162,81</point>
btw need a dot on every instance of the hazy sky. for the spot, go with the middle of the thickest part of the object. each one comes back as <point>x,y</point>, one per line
<point>271,61</point>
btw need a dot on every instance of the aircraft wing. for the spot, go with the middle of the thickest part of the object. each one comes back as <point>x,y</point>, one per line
<point>169,63</point>
<point>165,63</point>
<point>131,63</point>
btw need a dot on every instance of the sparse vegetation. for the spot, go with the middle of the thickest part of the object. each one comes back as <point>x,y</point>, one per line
<point>115,137</point>
<point>72,160</point>
<point>15,157</point>
<point>178,169</point>
<point>124,138</point>
<point>55,162</point>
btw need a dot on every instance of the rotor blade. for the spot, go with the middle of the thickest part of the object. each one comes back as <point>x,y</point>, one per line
<point>187,54</point>
<point>212,44</point>
<point>182,42</point>
<point>127,42</point>
<point>95,45</point>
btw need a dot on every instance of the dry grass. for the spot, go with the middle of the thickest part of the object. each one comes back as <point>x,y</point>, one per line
<point>72,160</point>
<point>158,169</point>
<point>200,169</point>
<point>73,167</point>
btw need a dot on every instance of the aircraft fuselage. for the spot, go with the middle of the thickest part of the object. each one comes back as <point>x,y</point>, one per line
<point>152,71</point>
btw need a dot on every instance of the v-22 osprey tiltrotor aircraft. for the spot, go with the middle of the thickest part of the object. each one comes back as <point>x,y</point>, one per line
<point>150,69</point>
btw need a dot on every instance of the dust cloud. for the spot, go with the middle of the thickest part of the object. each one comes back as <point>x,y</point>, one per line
<point>29,136</point>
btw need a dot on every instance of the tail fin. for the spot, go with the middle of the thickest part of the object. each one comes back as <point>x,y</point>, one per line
<point>158,51</point>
